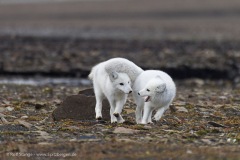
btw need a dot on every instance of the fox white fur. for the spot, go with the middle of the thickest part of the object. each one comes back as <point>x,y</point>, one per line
<point>113,79</point>
<point>152,90</point>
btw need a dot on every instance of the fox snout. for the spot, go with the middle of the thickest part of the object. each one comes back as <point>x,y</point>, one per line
<point>143,93</point>
<point>129,91</point>
<point>140,93</point>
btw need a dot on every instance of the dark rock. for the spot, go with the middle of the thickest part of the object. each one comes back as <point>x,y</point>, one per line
<point>214,124</point>
<point>173,108</point>
<point>80,107</point>
<point>39,106</point>
<point>87,92</point>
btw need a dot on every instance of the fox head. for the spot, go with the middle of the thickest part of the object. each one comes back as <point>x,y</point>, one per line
<point>152,89</point>
<point>121,81</point>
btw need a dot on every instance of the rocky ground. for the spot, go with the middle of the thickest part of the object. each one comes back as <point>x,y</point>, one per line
<point>202,124</point>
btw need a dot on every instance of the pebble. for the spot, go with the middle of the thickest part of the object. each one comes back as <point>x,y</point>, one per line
<point>182,109</point>
<point>24,123</point>
<point>24,117</point>
<point>123,130</point>
<point>9,108</point>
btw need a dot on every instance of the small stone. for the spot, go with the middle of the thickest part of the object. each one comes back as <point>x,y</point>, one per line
<point>189,151</point>
<point>122,130</point>
<point>57,101</point>
<point>182,109</point>
<point>147,127</point>
<point>24,123</point>
<point>203,109</point>
<point>231,140</point>
<point>173,108</point>
<point>39,106</point>
<point>24,117</point>
<point>181,103</point>
<point>44,143</point>
<point>6,102</point>
<point>44,111</point>
<point>222,97</point>
<point>3,119</point>
<point>43,135</point>
<point>207,141</point>
<point>9,108</point>
<point>214,124</point>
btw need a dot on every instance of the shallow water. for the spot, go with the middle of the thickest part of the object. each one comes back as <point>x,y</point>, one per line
<point>41,81</point>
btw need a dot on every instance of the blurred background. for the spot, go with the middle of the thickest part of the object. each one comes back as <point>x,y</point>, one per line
<point>65,38</point>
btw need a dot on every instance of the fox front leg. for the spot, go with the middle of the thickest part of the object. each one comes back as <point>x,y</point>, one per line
<point>150,117</point>
<point>118,111</point>
<point>138,114</point>
<point>112,108</point>
<point>146,113</point>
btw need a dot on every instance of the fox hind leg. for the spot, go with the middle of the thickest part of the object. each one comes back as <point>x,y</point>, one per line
<point>159,114</point>
<point>98,108</point>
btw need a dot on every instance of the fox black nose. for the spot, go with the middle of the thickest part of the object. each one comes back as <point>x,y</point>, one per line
<point>130,91</point>
<point>138,93</point>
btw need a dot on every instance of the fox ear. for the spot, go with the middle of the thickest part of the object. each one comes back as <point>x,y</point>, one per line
<point>161,88</point>
<point>113,75</point>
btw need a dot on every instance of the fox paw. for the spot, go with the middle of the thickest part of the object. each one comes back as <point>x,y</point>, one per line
<point>116,115</point>
<point>154,119</point>
<point>143,122</point>
<point>121,121</point>
<point>99,118</point>
<point>114,121</point>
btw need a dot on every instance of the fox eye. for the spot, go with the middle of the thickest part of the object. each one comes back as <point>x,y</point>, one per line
<point>128,82</point>
<point>148,90</point>
<point>121,84</point>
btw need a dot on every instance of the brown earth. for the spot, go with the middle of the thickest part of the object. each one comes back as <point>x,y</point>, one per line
<point>203,124</point>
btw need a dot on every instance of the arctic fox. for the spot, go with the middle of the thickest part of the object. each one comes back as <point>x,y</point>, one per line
<point>113,79</point>
<point>158,90</point>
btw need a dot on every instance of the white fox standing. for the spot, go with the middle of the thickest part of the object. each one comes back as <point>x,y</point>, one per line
<point>158,90</point>
<point>112,79</point>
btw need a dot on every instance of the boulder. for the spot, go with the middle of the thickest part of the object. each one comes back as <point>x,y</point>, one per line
<point>80,107</point>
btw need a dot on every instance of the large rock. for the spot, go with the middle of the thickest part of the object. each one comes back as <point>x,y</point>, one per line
<point>80,107</point>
